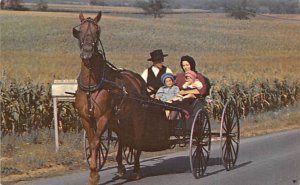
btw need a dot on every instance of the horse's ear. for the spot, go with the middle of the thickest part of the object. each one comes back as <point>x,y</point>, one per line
<point>81,17</point>
<point>98,17</point>
<point>76,33</point>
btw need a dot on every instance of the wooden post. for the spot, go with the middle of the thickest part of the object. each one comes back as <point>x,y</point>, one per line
<point>59,89</point>
<point>55,123</point>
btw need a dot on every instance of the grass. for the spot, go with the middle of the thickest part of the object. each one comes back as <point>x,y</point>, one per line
<point>34,151</point>
<point>40,44</point>
<point>269,122</point>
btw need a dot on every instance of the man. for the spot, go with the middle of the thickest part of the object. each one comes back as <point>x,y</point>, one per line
<point>152,75</point>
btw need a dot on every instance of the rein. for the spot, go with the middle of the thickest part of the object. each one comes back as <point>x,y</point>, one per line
<point>89,89</point>
<point>94,44</point>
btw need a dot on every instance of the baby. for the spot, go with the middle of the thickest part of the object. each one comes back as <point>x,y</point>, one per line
<point>169,90</point>
<point>191,82</point>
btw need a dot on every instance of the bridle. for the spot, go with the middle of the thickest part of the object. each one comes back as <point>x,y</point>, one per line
<point>89,33</point>
<point>95,42</point>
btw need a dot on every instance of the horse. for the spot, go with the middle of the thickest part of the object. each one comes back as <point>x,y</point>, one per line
<point>108,97</point>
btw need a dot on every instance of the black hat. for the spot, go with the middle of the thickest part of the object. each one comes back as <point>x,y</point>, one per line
<point>156,55</point>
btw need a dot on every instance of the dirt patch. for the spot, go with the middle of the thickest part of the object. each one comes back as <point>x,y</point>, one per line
<point>21,178</point>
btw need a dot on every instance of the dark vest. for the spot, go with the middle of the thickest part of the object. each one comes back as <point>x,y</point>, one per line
<point>155,81</point>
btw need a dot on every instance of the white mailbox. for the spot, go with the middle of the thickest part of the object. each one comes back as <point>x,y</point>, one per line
<point>61,90</point>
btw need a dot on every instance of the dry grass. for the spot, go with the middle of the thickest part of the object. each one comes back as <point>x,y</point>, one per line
<point>33,154</point>
<point>270,122</point>
<point>40,45</point>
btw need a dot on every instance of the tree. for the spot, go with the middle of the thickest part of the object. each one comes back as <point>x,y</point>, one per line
<point>154,7</point>
<point>12,5</point>
<point>42,6</point>
<point>97,2</point>
<point>239,9</point>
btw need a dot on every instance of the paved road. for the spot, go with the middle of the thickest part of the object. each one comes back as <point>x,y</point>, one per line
<point>268,160</point>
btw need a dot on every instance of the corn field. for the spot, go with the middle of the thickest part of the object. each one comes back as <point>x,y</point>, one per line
<point>27,106</point>
<point>260,96</point>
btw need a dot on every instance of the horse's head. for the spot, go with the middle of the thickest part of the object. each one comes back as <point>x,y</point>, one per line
<point>88,35</point>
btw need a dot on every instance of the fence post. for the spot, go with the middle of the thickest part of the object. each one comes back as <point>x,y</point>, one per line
<point>55,123</point>
<point>62,90</point>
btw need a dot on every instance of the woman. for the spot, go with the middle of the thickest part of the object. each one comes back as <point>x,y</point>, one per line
<point>187,63</point>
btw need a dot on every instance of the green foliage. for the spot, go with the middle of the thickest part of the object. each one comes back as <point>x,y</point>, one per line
<point>28,106</point>
<point>12,5</point>
<point>42,5</point>
<point>5,170</point>
<point>239,10</point>
<point>260,96</point>
<point>97,2</point>
<point>154,7</point>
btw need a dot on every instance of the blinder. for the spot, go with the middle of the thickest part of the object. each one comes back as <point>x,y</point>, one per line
<point>76,32</point>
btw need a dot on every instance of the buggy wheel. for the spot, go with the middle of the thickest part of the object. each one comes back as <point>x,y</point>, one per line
<point>102,151</point>
<point>128,154</point>
<point>200,141</point>
<point>230,134</point>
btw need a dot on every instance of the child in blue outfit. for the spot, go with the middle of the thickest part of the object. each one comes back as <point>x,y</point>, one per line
<point>167,92</point>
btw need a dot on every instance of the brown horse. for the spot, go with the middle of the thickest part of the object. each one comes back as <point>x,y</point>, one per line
<point>114,98</point>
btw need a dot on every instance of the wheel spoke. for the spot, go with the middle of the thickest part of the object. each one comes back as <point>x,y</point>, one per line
<point>206,151</point>
<point>99,159</point>
<point>233,149</point>
<point>223,145</point>
<point>89,156</point>
<point>234,122</point>
<point>224,126</point>
<point>201,163</point>
<point>102,150</point>
<point>200,143</point>
<point>102,153</point>
<point>236,142</point>
<point>229,134</point>
<point>104,146</point>
<point>230,155</point>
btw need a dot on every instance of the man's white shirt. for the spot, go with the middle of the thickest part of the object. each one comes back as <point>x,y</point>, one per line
<point>155,71</point>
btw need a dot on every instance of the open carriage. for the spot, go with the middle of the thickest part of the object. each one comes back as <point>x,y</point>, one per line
<point>111,99</point>
<point>194,131</point>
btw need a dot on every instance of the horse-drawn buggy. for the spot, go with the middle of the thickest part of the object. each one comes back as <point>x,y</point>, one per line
<point>114,103</point>
<point>194,132</point>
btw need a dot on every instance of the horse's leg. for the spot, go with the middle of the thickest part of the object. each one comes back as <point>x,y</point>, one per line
<point>136,170</point>
<point>94,176</point>
<point>121,167</point>
<point>94,145</point>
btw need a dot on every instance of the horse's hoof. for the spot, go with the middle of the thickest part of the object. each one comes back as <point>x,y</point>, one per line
<point>121,171</point>
<point>94,180</point>
<point>135,176</point>
<point>121,174</point>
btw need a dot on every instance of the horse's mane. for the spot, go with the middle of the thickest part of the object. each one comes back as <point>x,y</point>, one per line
<point>120,73</point>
